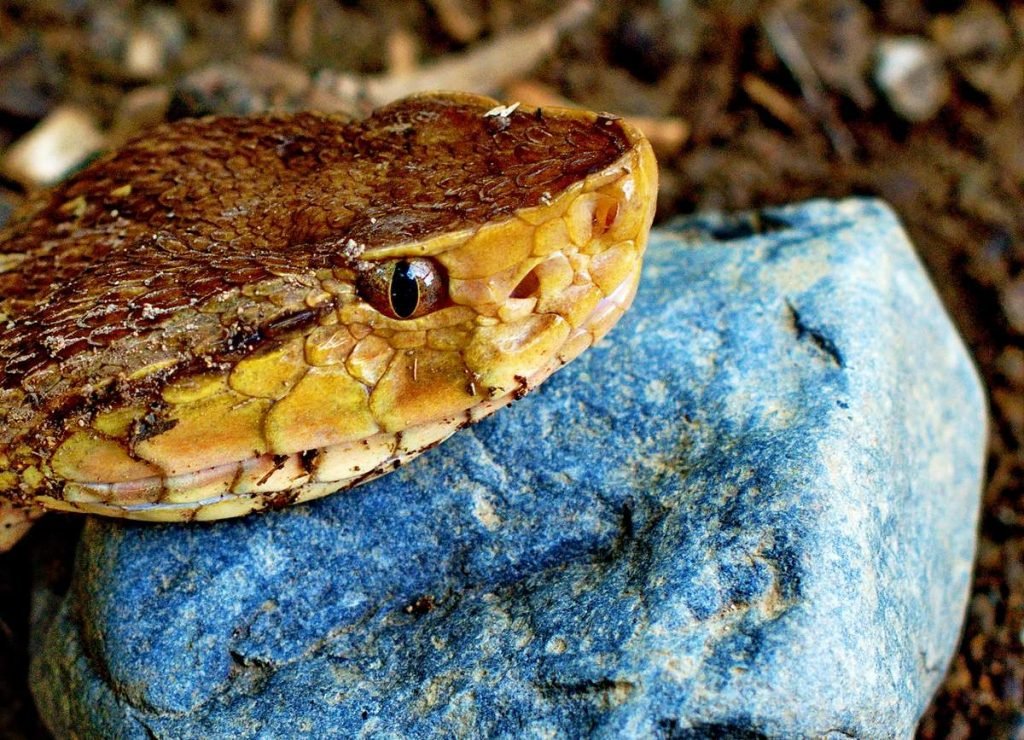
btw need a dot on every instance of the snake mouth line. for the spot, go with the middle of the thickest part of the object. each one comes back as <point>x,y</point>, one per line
<point>282,480</point>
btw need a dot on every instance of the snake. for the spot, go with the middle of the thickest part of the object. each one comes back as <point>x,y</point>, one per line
<point>240,313</point>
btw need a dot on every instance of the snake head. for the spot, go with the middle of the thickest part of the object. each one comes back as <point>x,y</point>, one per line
<point>310,305</point>
<point>503,304</point>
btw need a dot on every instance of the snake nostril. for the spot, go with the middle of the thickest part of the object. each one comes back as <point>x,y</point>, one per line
<point>606,210</point>
<point>528,286</point>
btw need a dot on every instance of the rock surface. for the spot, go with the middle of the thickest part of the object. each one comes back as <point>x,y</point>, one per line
<point>751,510</point>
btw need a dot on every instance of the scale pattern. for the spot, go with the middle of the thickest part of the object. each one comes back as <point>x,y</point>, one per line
<point>184,336</point>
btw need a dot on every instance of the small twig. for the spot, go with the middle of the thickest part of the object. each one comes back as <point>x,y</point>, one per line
<point>458,20</point>
<point>482,69</point>
<point>402,52</point>
<point>777,104</point>
<point>788,47</point>
<point>667,134</point>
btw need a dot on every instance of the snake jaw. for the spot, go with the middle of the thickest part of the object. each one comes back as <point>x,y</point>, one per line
<point>269,481</point>
<point>324,404</point>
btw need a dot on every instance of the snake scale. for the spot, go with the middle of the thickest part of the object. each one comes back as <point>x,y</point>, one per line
<point>240,313</point>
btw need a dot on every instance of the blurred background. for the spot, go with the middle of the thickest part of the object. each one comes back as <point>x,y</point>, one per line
<point>747,104</point>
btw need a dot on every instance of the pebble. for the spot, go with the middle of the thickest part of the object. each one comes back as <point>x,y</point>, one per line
<point>60,143</point>
<point>139,109</point>
<point>910,71</point>
<point>154,43</point>
<point>1012,298</point>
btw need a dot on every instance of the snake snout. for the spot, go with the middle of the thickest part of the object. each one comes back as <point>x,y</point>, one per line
<point>603,210</point>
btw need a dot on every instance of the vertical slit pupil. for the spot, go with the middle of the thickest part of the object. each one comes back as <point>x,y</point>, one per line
<point>405,292</point>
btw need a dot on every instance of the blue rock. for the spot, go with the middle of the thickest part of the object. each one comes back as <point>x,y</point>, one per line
<point>751,509</point>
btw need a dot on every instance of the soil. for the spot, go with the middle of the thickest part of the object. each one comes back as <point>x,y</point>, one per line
<point>748,103</point>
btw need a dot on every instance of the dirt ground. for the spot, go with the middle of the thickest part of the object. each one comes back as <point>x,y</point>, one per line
<point>748,103</point>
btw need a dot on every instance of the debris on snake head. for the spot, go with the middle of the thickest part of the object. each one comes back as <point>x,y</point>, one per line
<point>234,314</point>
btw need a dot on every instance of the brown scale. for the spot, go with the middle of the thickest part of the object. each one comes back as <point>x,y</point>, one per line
<point>93,276</point>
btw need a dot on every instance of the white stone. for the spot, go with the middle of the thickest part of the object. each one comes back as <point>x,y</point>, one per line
<point>64,140</point>
<point>911,74</point>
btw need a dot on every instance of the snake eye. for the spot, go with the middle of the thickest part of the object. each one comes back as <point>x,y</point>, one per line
<point>404,288</point>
